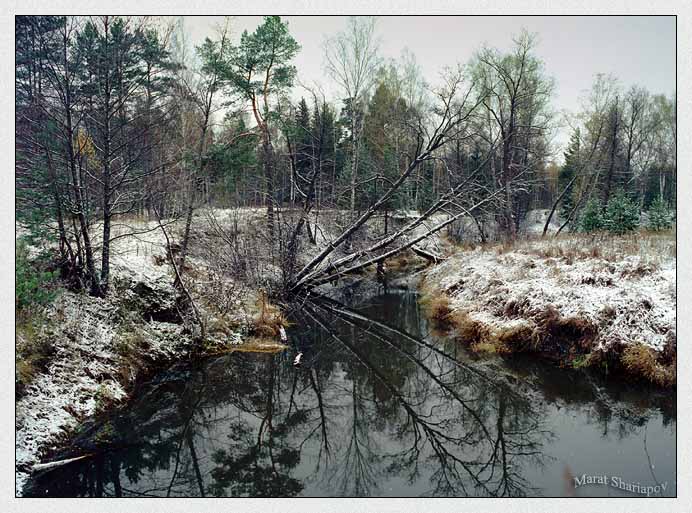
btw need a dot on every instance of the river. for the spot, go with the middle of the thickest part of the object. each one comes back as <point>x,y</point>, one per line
<point>380,406</point>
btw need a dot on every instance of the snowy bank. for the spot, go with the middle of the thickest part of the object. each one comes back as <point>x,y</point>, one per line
<point>95,364</point>
<point>100,347</point>
<point>580,298</point>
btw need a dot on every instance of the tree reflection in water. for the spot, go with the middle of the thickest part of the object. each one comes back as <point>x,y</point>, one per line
<point>378,408</point>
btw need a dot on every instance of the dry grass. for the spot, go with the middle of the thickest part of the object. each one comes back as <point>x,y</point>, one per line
<point>553,329</point>
<point>641,362</point>
<point>33,350</point>
<point>604,337</point>
<point>651,246</point>
<point>437,307</point>
<point>484,347</point>
<point>269,319</point>
<point>259,345</point>
<point>467,329</point>
<point>513,339</point>
<point>569,339</point>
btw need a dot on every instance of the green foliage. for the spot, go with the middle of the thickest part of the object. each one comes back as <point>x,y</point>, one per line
<point>231,166</point>
<point>592,219</point>
<point>260,64</point>
<point>568,170</point>
<point>622,214</point>
<point>33,286</point>
<point>660,216</point>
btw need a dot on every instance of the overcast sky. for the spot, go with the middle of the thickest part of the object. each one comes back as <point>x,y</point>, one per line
<point>636,49</point>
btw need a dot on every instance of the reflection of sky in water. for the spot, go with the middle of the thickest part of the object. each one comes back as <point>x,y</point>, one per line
<point>378,408</point>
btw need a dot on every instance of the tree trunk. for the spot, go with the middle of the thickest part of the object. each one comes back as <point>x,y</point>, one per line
<point>557,202</point>
<point>83,224</point>
<point>105,249</point>
<point>611,164</point>
<point>354,173</point>
<point>269,185</point>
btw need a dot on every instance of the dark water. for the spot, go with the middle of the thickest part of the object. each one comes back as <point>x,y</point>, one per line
<point>380,407</point>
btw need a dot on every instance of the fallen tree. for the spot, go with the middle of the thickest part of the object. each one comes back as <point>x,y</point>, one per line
<point>455,110</point>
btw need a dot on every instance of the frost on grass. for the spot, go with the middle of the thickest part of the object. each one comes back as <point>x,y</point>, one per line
<point>622,286</point>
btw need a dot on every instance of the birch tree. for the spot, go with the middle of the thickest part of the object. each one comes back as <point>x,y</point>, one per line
<point>351,59</point>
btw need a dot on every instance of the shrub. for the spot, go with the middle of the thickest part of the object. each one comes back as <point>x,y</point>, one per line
<point>660,216</point>
<point>621,215</point>
<point>33,286</point>
<point>592,220</point>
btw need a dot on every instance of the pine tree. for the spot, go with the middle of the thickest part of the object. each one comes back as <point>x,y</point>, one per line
<point>258,69</point>
<point>660,217</point>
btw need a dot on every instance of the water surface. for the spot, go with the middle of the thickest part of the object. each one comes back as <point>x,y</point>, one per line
<point>380,407</point>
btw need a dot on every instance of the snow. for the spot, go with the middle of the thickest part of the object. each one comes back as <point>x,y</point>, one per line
<point>639,287</point>
<point>87,373</point>
<point>56,400</point>
<point>133,256</point>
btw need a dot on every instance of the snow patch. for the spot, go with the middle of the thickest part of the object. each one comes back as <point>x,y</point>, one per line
<point>630,299</point>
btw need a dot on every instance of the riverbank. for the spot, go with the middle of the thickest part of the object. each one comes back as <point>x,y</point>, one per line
<point>603,302</point>
<point>371,376</point>
<point>80,356</point>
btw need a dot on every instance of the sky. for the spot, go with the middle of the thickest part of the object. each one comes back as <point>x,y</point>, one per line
<point>635,49</point>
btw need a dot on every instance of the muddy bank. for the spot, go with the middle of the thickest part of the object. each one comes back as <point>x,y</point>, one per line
<point>607,304</point>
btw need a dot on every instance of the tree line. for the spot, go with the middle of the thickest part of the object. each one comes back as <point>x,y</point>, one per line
<point>118,117</point>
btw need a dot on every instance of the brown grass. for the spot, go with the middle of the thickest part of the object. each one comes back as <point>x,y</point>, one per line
<point>269,318</point>
<point>33,350</point>
<point>569,340</point>
<point>569,247</point>
<point>514,339</point>
<point>467,329</point>
<point>259,345</point>
<point>641,362</point>
<point>437,307</point>
<point>553,330</point>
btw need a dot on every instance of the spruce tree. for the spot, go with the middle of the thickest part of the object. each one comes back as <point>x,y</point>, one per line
<point>303,138</point>
<point>568,171</point>
<point>660,217</point>
<point>592,219</point>
<point>621,214</point>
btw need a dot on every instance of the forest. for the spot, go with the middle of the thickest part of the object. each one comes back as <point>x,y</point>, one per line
<point>192,199</point>
<point>117,118</point>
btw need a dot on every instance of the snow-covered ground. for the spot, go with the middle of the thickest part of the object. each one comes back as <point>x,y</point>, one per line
<point>96,340</point>
<point>625,286</point>
<point>84,373</point>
